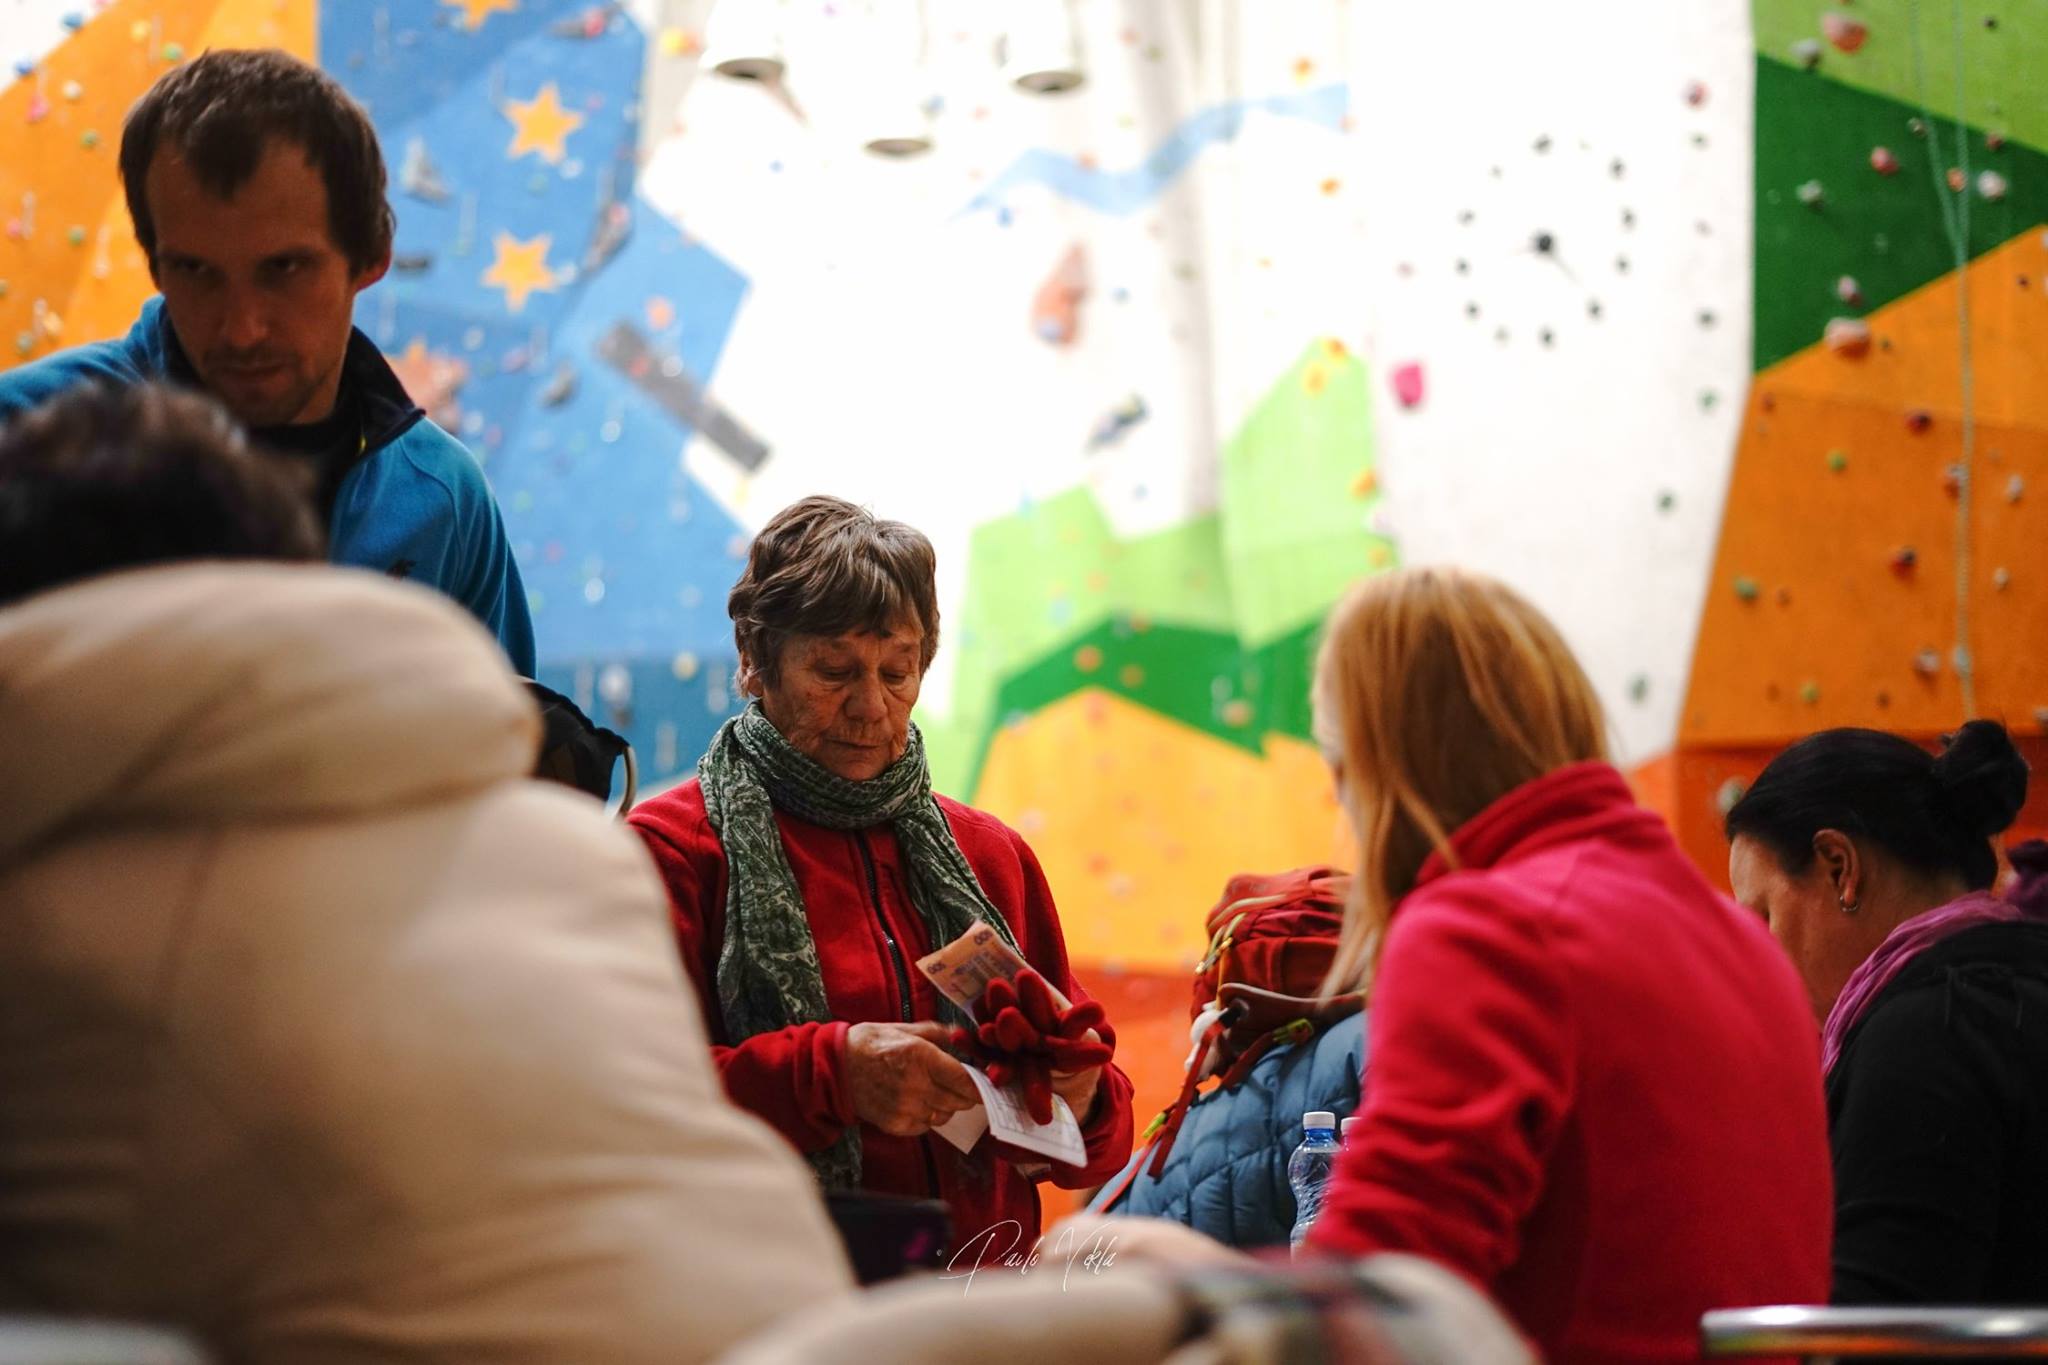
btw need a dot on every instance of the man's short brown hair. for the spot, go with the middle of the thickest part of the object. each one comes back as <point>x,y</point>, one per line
<point>826,567</point>
<point>222,110</point>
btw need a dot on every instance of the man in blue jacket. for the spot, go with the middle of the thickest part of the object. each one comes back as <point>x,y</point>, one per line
<point>258,195</point>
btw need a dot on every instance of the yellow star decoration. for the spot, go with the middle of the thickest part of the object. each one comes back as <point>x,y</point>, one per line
<point>520,267</point>
<point>541,125</point>
<point>474,12</point>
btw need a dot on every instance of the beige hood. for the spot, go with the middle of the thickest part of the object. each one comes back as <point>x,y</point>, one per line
<point>221,692</point>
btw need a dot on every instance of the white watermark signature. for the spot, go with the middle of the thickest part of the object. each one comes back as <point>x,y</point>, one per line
<point>1001,1248</point>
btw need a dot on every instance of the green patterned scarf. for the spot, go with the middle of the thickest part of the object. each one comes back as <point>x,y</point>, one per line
<point>768,972</point>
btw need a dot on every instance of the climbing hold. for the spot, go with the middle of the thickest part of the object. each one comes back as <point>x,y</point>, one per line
<point>174,52</point>
<point>1917,126</point>
<point>1848,337</point>
<point>1927,662</point>
<point>1884,161</point>
<point>2014,487</point>
<point>1056,307</point>
<point>1667,501</point>
<point>24,342</point>
<point>1696,93</point>
<point>1904,560</point>
<point>1728,794</point>
<point>1845,33</point>
<point>1952,481</point>
<point>1994,142</point>
<point>138,32</point>
<point>1809,692</point>
<point>1707,318</point>
<point>89,139</point>
<point>75,236</point>
<point>1811,194</point>
<point>72,92</point>
<point>3,289</point>
<point>1784,596</point>
<point>38,109</point>
<point>1639,688</point>
<point>677,42</point>
<point>2000,579</point>
<point>1955,179</point>
<point>1709,399</point>
<point>1849,291</point>
<point>74,21</point>
<point>1408,383</point>
<point>1747,590</point>
<point>1918,420</point>
<point>1111,428</point>
<point>1837,461</point>
<point>1807,52</point>
<point>1992,186</point>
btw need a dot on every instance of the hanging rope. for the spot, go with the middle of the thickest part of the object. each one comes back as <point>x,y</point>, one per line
<point>1955,222</point>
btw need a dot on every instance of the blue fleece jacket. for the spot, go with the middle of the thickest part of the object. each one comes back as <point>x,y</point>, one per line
<point>414,506</point>
<point>1227,1173</point>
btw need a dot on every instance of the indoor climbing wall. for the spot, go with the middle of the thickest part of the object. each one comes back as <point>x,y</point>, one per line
<point>1880,560</point>
<point>1093,344</point>
<point>565,327</point>
<point>69,267</point>
<point>1559,263</point>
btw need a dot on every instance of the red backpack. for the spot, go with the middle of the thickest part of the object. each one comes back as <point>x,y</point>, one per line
<point>1271,941</point>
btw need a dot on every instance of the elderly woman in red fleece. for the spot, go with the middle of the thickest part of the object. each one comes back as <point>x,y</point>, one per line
<point>810,865</point>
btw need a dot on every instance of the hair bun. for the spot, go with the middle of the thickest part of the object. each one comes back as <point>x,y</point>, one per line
<point>1981,778</point>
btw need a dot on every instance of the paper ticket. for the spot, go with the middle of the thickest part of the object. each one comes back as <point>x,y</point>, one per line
<point>1009,1121</point>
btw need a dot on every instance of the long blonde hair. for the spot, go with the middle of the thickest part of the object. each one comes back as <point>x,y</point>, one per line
<point>1436,693</point>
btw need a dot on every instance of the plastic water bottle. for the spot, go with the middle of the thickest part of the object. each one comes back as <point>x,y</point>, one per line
<point>1344,1132</point>
<point>1308,1170</point>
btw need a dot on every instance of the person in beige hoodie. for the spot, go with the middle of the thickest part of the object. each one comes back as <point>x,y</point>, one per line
<point>324,1033</point>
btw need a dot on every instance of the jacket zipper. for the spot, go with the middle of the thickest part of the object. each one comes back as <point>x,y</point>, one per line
<point>867,860</point>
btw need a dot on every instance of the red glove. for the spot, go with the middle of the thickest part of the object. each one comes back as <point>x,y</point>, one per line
<point>1024,1036</point>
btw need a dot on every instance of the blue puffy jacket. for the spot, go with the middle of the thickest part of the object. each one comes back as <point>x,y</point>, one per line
<point>415,506</point>
<point>1227,1174</point>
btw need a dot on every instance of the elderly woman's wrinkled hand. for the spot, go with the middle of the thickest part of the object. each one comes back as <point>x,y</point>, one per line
<point>902,1081</point>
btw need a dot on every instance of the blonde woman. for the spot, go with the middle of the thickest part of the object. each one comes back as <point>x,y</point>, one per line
<point>1595,1086</point>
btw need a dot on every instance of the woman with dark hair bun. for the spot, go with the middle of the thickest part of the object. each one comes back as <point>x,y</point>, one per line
<point>1872,861</point>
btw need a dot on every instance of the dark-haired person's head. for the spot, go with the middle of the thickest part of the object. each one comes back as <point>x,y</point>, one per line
<point>1849,833</point>
<point>258,195</point>
<point>103,479</point>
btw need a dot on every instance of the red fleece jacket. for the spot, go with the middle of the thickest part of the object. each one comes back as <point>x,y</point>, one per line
<point>1595,1085</point>
<point>869,938</point>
